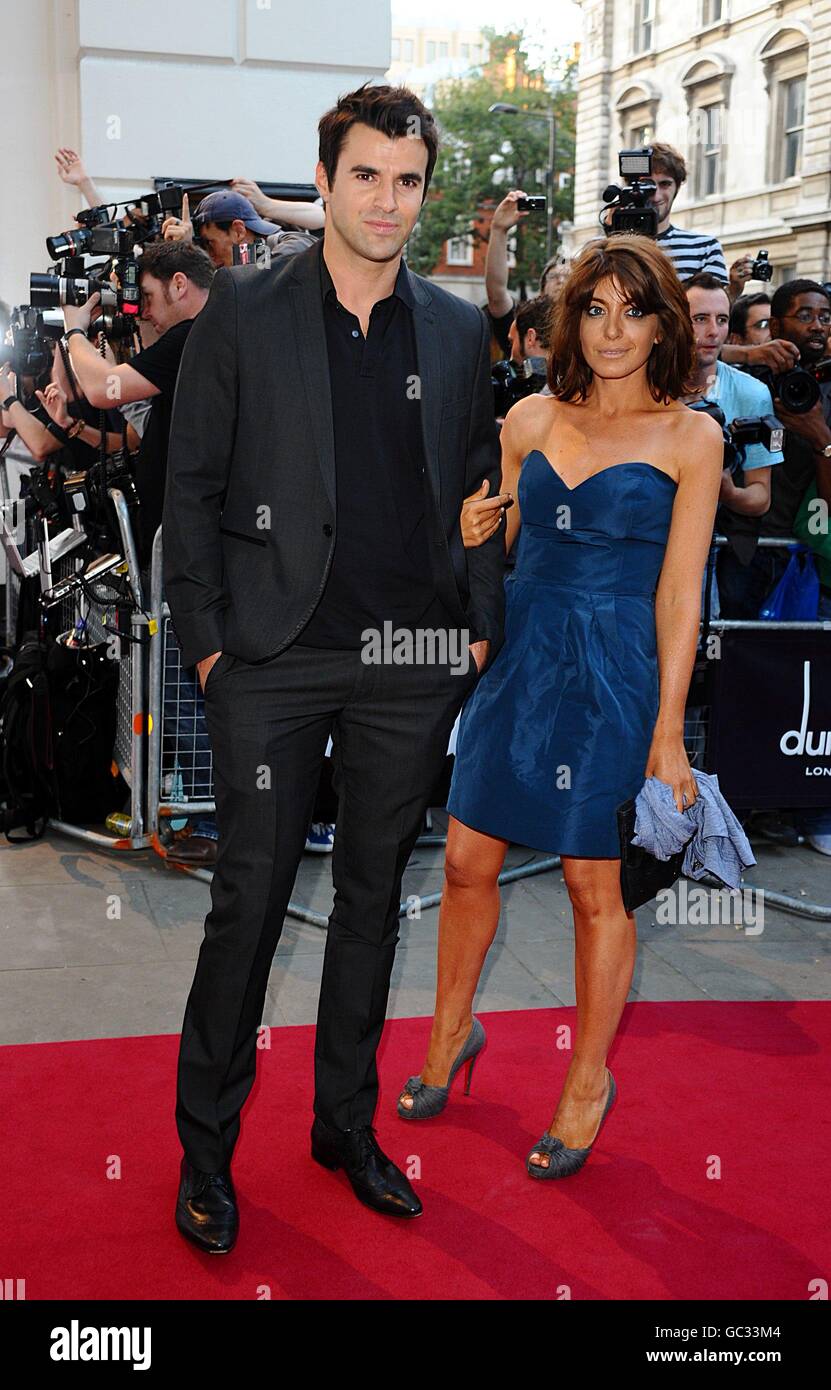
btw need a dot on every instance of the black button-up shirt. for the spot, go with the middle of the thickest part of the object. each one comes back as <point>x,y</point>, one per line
<point>381,567</point>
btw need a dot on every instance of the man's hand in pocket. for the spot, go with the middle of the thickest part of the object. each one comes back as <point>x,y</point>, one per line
<point>204,666</point>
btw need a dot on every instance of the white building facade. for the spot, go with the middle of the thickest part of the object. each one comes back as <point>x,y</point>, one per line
<point>199,89</point>
<point>743,91</point>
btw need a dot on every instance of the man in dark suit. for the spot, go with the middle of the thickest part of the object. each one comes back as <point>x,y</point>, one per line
<point>331,414</point>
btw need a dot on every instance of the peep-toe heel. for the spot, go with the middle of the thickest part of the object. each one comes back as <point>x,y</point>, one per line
<point>431,1100</point>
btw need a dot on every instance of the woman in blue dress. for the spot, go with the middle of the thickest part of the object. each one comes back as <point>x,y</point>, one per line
<point>616,484</point>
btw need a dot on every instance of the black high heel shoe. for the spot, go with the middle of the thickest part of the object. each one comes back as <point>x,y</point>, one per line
<point>563,1161</point>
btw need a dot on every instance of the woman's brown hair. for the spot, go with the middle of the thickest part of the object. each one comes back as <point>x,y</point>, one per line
<point>648,279</point>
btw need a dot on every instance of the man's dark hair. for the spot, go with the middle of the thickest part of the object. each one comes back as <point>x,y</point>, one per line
<point>784,297</point>
<point>224,226</point>
<point>395,111</point>
<point>741,309</point>
<point>534,313</point>
<point>164,259</point>
<point>667,160</point>
<point>705,280</point>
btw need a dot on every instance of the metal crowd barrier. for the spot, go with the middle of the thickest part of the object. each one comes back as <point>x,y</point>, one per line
<point>162,748</point>
<point>180,772</point>
<point>103,623</point>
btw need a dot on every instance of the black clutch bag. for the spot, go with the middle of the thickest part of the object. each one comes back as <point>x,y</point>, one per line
<point>642,876</point>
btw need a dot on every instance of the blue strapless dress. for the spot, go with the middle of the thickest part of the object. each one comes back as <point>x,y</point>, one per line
<point>556,733</point>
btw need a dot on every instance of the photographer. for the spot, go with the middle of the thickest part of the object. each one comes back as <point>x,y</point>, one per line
<point>750,320</point>
<point>226,219</point>
<point>310,216</point>
<point>501,306</point>
<point>49,416</point>
<point>800,314</point>
<point>690,252</point>
<point>739,396</point>
<point>529,333</point>
<point>745,490</point>
<point>528,340</point>
<point>174,278</point>
<point>800,318</point>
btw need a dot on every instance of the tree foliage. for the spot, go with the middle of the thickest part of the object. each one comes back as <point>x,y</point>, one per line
<point>482,155</point>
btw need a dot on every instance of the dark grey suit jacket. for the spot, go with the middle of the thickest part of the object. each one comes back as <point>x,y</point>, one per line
<point>249,514</point>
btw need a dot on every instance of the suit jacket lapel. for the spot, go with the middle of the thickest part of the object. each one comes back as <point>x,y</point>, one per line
<point>310,341</point>
<point>431,373</point>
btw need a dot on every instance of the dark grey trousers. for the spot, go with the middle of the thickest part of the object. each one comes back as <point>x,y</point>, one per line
<point>269,725</point>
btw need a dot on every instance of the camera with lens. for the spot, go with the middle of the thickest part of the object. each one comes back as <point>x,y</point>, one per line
<point>759,429</point>
<point>86,494</point>
<point>47,492</point>
<point>148,214</point>
<point>511,383</point>
<point>76,241</point>
<point>30,350</point>
<point>797,388</point>
<point>631,208</point>
<point>761,268</point>
<point>72,283</point>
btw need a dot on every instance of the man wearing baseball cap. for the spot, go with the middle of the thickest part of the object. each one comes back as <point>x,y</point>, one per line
<point>224,220</point>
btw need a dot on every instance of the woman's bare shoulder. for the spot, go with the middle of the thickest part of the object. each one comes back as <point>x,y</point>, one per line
<point>528,417</point>
<point>698,438</point>
<point>698,426</point>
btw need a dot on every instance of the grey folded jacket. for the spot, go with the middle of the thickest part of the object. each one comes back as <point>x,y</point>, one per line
<point>716,843</point>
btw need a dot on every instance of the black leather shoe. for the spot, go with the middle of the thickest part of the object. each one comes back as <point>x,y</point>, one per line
<point>206,1209</point>
<point>375,1179</point>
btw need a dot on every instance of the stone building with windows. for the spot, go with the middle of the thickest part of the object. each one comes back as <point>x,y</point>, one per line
<point>743,91</point>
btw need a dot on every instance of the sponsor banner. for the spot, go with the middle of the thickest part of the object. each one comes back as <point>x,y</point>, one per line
<point>770,721</point>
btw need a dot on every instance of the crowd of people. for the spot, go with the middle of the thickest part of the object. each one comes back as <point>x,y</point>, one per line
<point>258,394</point>
<point>745,343</point>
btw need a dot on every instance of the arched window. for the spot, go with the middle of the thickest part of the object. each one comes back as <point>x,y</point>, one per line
<point>707,86</point>
<point>784,58</point>
<point>637,109</point>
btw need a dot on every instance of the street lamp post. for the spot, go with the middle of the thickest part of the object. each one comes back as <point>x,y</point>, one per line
<point>505,108</point>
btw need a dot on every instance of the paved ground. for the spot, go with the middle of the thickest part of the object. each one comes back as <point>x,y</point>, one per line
<point>94,944</point>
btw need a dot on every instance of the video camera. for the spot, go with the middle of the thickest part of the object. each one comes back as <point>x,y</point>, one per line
<point>632,210</point>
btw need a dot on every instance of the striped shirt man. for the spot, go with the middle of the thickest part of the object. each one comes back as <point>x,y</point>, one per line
<point>693,251</point>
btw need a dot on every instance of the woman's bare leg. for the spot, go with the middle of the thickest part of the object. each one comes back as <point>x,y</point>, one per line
<point>468,918</point>
<point>605,941</point>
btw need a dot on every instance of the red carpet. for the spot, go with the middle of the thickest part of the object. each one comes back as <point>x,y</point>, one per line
<point>743,1085</point>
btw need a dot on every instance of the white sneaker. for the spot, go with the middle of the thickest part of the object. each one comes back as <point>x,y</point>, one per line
<point>820,842</point>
